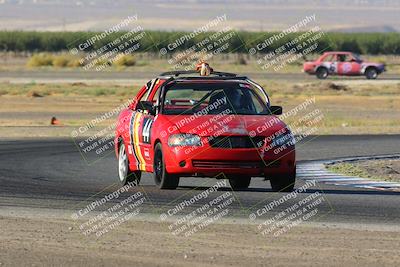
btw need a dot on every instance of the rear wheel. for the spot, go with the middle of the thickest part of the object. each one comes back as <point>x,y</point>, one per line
<point>283,183</point>
<point>125,174</point>
<point>239,182</point>
<point>371,73</point>
<point>322,73</point>
<point>162,178</point>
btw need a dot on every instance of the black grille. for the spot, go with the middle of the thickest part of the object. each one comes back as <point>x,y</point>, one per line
<point>236,141</point>
<point>226,164</point>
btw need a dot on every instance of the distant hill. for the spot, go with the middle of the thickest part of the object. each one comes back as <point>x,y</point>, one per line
<point>368,29</point>
<point>252,15</point>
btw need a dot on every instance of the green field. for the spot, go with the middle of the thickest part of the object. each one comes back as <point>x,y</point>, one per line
<point>363,43</point>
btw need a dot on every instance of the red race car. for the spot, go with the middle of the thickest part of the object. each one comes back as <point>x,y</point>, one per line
<point>206,124</point>
<point>343,63</point>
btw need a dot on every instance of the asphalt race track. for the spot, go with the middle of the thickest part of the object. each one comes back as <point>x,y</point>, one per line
<point>46,173</point>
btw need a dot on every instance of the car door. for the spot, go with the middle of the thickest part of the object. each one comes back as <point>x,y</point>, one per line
<point>355,66</point>
<point>347,65</point>
<point>142,125</point>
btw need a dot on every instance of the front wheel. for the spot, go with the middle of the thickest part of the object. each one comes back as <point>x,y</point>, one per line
<point>284,182</point>
<point>239,182</point>
<point>125,174</point>
<point>371,73</point>
<point>162,178</point>
<point>322,73</point>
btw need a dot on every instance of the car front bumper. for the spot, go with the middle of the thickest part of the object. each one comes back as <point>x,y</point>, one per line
<point>207,161</point>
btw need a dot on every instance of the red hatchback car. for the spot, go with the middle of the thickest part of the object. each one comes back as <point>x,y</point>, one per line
<point>343,64</point>
<point>221,125</point>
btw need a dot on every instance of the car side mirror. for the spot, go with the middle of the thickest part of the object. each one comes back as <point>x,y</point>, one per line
<point>146,105</point>
<point>276,110</point>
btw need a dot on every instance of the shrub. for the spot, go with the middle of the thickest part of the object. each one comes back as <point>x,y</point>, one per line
<point>39,60</point>
<point>125,60</point>
<point>61,61</point>
<point>74,63</point>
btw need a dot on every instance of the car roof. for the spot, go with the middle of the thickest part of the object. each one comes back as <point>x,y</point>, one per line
<point>183,72</point>
<point>183,75</point>
<point>337,52</point>
<point>208,81</point>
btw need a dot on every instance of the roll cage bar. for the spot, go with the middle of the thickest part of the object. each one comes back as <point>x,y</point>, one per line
<point>182,72</point>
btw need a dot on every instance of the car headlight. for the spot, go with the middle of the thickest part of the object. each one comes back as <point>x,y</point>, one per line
<point>184,140</point>
<point>285,138</point>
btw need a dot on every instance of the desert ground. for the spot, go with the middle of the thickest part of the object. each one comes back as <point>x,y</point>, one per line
<point>35,238</point>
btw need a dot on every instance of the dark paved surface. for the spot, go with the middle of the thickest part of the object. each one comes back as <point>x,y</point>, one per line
<point>52,174</point>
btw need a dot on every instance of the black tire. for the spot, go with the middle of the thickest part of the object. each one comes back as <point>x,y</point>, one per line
<point>283,183</point>
<point>322,73</point>
<point>371,73</point>
<point>239,182</point>
<point>125,174</point>
<point>162,178</point>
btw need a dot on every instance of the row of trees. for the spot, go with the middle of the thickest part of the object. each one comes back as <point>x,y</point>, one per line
<point>153,41</point>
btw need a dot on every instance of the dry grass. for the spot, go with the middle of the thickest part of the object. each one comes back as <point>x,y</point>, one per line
<point>381,170</point>
<point>240,63</point>
<point>73,89</point>
<point>355,110</point>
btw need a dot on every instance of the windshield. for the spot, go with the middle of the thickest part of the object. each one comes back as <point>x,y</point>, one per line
<point>213,98</point>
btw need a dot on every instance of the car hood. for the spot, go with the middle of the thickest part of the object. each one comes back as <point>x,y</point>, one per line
<point>208,125</point>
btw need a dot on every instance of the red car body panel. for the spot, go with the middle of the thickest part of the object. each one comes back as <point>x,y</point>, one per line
<point>140,132</point>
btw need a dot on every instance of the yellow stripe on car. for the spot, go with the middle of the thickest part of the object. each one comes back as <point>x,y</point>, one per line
<point>142,163</point>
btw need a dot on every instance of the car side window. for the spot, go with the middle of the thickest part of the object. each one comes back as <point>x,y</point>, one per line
<point>329,58</point>
<point>343,58</point>
<point>257,104</point>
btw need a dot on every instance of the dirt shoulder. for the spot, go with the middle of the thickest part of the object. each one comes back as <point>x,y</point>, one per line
<point>382,170</point>
<point>56,242</point>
